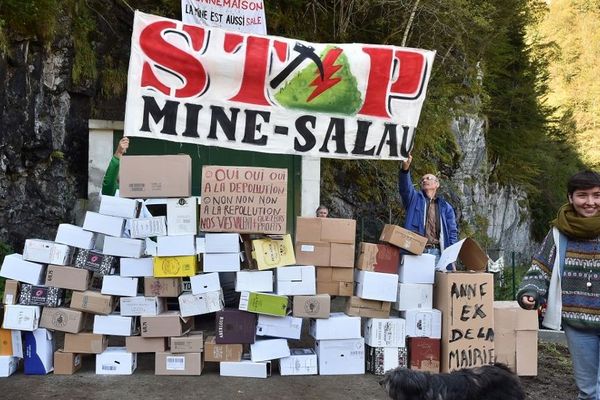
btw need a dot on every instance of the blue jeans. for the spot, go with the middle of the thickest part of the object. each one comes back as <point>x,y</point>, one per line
<point>433,251</point>
<point>584,346</point>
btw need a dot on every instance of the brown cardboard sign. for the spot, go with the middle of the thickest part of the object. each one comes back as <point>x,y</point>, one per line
<point>243,199</point>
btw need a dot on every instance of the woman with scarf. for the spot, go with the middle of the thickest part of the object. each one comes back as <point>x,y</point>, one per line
<point>565,273</point>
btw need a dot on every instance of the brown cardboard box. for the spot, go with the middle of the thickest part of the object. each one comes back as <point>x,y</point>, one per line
<point>214,352</point>
<point>331,274</point>
<point>337,230</point>
<point>403,238</point>
<point>68,277</point>
<point>193,342</point>
<point>335,288</point>
<point>140,344</point>
<point>62,319</point>
<point>342,255</point>
<point>308,229</point>
<point>178,364</point>
<point>313,253</point>
<point>515,337</point>
<point>93,302</point>
<point>466,301</point>
<point>66,363</point>
<point>424,354</point>
<point>169,323</point>
<point>85,342</point>
<point>527,354</point>
<point>378,258</point>
<point>11,292</point>
<point>6,340</point>
<point>357,307</point>
<point>163,287</point>
<point>318,306</point>
<point>155,176</point>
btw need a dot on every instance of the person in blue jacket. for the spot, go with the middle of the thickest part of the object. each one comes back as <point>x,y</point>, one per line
<point>427,213</point>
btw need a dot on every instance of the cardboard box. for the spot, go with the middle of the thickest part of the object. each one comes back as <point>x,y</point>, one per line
<point>330,274</point>
<point>178,364</point>
<point>193,342</point>
<point>171,267</point>
<point>281,327</point>
<point>357,307</point>
<point>8,366</point>
<point>123,247</point>
<point>417,269</point>
<point>381,359</point>
<point>385,332</point>
<point>115,325</point>
<point>378,258</point>
<point>205,283</point>
<point>308,229</point>
<point>104,224</point>
<point>341,357</point>
<point>142,228</point>
<point>85,342</point>
<point>38,295</point>
<point>11,291</point>
<point>246,369</point>
<point>263,303</point>
<point>271,253</point>
<point>423,323</point>
<point>93,302</point>
<point>39,352</point>
<point>155,176</point>
<point>141,305</point>
<point>335,288</point>
<point>75,236</point>
<point>234,326</point>
<point>119,286</point>
<point>198,304</point>
<point>163,287</point>
<point>376,285</point>
<point>403,238</point>
<point>296,280</point>
<point>424,354</point>
<point>62,319</point>
<point>414,295</point>
<point>338,230</point>
<point>269,349</point>
<point>116,361</point>
<point>313,253</point>
<point>139,344</point>
<point>169,323</point>
<point>66,363</point>
<point>173,246</point>
<point>98,263</point>
<point>11,343</point>
<point>337,326</point>
<point>182,216</point>
<point>21,318</point>
<point>254,281</point>
<point>16,268</point>
<point>137,267</point>
<point>67,277</point>
<point>468,252</point>
<point>466,301</point>
<point>299,362</point>
<point>119,207</point>
<point>221,262</point>
<point>342,255</point>
<point>526,352</point>
<point>222,243</point>
<point>214,352</point>
<point>317,306</point>
<point>47,252</point>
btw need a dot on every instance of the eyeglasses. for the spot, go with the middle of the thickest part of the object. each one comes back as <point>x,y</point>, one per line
<point>429,178</point>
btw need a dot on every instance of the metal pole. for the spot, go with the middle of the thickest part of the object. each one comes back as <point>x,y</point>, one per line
<point>514,295</point>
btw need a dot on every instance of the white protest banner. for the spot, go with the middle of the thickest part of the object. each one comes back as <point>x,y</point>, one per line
<point>269,94</point>
<point>246,16</point>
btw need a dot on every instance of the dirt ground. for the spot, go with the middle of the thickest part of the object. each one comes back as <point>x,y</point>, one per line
<point>555,376</point>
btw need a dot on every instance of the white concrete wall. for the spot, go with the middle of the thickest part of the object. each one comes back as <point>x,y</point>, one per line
<point>311,186</point>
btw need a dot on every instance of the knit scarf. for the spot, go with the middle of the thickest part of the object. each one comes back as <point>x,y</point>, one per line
<point>575,226</point>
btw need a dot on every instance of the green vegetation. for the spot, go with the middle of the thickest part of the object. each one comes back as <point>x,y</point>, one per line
<point>506,282</point>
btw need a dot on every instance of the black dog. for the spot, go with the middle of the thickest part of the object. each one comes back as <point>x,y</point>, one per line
<point>489,382</point>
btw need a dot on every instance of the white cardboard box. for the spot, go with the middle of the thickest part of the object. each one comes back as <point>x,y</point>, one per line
<point>204,283</point>
<point>245,369</point>
<point>385,332</point>
<point>119,286</point>
<point>47,252</point>
<point>221,262</point>
<point>417,269</point>
<point>21,318</point>
<point>75,236</point>
<point>8,365</point>
<point>105,224</point>
<point>182,216</point>
<point>254,281</point>
<point>123,247</point>
<point>142,228</point>
<point>140,305</point>
<point>341,357</point>
<point>423,323</point>
<point>376,285</point>
<point>222,243</point>
<point>116,361</point>
<point>184,245</point>
<point>296,280</point>
<point>300,362</point>
<point>414,295</point>
<point>14,267</point>
<point>114,324</point>
<point>337,326</point>
<point>198,304</point>
<point>39,352</point>
<point>119,207</point>
<point>269,349</point>
<point>136,267</point>
<point>200,245</point>
<point>282,327</point>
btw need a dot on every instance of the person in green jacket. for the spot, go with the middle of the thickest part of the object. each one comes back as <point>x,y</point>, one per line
<point>110,182</point>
